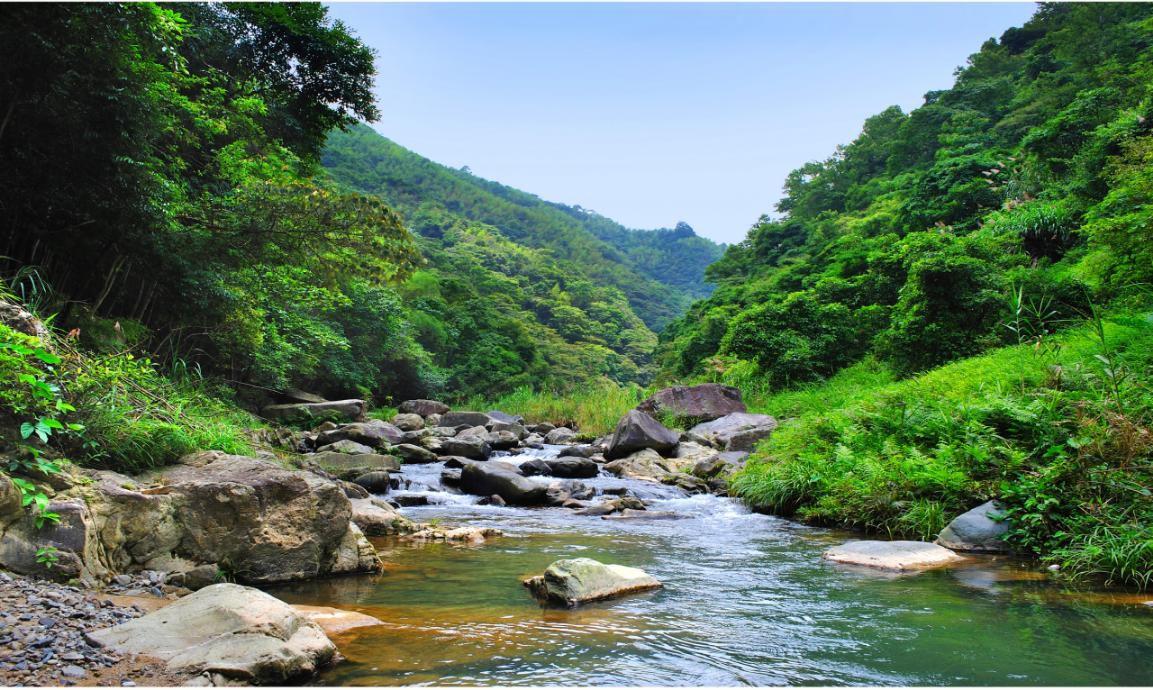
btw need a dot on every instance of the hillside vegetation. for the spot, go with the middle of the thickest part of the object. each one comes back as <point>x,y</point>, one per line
<point>1014,209</point>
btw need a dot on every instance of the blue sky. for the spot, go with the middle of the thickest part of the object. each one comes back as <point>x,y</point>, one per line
<point>652,114</point>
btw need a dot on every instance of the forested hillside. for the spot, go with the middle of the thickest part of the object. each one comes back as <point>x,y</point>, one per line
<point>660,272</point>
<point>1004,229</point>
<point>1030,174</point>
<point>162,193</point>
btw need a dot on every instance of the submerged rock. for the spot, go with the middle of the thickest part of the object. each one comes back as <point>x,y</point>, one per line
<point>892,555</point>
<point>471,535</point>
<point>638,431</point>
<point>238,632</point>
<point>578,580</point>
<point>702,403</point>
<point>981,530</point>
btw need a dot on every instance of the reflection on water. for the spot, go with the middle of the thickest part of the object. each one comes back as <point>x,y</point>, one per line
<point>747,601</point>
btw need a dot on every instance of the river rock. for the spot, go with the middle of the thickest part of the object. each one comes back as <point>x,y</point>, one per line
<point>414,455</point>
<point>334,621</point>
<point>502,440</point>
<point>572,467</point>
<point>737,431</point>
<point>472,432</point>
<point>377,518</point>
<point>644,464</point>
<point>559,435</point>
<point>424,408</point>
<point>374,433</point>
<point>486,479</point>
<point>408,422</point>
<point>351,410</point>
<point>892,555</point>
<point>584,450</point>
<point>533,440</point>
<point>534,467</point>
<point>468,447</point>
<point>457,461</point>
<point>701,403</point>
<point>450,477</point>
<point>465,418</point>
<point>471,535</point>
<point>579,580</point>
<point>720,464</point>
<point>542,428</point>
<point>511,427</point>
<point>346,446</point>
<point>349,467</point>
<point>504,418</point>
<point>980,530</point>
<point>374,482</point>
<point>638,431</point>
<point>267,523</point>
<point>238,632</point>
<point>75,536</point>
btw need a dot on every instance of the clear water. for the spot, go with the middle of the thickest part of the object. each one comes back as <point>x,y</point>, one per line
<point>747,601</point>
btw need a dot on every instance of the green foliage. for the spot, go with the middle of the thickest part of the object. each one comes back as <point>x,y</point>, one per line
<point>592,410</point>
<point>1031,171</point>
<point>1061,436</point>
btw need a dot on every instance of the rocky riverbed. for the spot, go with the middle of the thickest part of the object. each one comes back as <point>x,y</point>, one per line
<point>43,628</point>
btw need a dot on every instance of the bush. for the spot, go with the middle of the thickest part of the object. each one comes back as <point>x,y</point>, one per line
<point>796,340</point>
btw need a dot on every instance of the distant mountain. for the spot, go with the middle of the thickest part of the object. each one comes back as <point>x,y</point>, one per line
<point>660,272</point>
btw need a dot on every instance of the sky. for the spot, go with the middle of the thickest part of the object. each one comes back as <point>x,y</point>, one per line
<point>650,113</point>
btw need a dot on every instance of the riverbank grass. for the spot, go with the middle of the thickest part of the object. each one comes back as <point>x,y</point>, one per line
<point>1060,433</point>
<point>591,410</point>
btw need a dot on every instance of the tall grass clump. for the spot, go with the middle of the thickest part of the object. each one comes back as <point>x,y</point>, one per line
<point>1060,434</point>
<point>137,418</point>
<point>592,410</point>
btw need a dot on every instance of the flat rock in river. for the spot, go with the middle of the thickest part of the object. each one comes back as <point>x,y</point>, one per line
<point>236,631</point>
<point>578,580</point>
<point>892,555</point>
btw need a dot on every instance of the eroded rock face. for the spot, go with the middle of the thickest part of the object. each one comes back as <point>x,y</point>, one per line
<point>738,431</point>
<point>267,524</point>
<point>350,410</point>
<point>980,530</point>
<point>424,408</point>
<point>348,466</point>
<point>702,403</point>
<point>638,431</point>
<point>575,581</point>
<point>74,536</point>
<point>892,555</point>
<point>238,632</point>
<point>489,478</point>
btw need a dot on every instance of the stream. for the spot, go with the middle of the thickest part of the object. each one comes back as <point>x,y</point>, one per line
<point>747,601</point>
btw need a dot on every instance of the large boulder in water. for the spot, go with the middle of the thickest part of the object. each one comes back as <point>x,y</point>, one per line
<point>237,632</point>
<point>575,581</point>
<point>376,518</point>
<point>980,530</point>
<point>892,555</point>
<point>702,403</point>
<point>424,408</point>
<point>489,478</point>
<point>736,431</point>
<point>638,431</point>
<point>475,447</point>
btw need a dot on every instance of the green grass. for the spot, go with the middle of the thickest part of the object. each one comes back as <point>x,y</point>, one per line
<point>1062,437</point>
<point>592,410</point>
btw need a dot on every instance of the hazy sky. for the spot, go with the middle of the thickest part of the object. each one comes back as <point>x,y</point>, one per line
<point>656,113</point>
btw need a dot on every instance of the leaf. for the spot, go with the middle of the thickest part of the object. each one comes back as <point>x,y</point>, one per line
<point>26,429</point>
<point>52,423</point>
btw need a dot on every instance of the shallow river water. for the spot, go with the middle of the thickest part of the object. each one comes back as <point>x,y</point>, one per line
<point>747,601</point>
